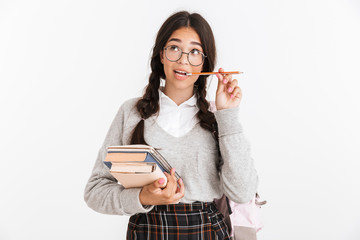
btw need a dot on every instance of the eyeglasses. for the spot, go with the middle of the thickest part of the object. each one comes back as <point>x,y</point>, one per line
<point>174,53</point>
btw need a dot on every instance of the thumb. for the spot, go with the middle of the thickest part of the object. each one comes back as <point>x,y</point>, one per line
<point>156,185</point>
<point>160,183</point>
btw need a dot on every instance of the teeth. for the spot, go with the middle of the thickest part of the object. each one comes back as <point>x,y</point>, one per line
<point>181,72</point>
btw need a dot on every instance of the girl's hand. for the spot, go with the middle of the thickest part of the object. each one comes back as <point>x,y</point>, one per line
<point>157,194</point>
<point>228,93</point>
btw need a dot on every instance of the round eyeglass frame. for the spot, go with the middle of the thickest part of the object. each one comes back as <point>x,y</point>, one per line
<point>182,52</point>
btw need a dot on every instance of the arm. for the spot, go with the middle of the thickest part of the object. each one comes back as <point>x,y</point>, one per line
<point>102,192</point>
<point>238,176</point>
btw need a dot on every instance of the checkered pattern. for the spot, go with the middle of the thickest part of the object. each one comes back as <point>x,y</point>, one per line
<point>196,221</point>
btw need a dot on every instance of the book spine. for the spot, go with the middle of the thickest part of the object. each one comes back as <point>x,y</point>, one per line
<point>163,162</point>
<point>150,158</point>
<point>108,164</point>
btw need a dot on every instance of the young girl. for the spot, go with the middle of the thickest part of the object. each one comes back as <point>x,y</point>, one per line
<point>208,150</point>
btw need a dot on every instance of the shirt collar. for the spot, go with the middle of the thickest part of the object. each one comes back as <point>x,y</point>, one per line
<point>167,100</point>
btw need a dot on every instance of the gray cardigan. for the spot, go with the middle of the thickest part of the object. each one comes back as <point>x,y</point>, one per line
<point>206,176</point>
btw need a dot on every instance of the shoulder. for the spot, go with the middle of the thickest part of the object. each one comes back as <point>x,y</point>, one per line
<point>127,109</point>
<point>129,104</point>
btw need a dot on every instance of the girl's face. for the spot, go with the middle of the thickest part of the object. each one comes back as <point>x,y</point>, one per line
<point>187,40</point>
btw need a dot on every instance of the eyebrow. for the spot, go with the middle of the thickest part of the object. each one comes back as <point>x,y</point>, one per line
<point>178,40</point>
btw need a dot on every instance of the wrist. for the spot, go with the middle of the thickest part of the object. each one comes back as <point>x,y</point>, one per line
<point>141,197</point>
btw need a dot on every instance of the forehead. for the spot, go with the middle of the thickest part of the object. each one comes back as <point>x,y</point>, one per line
<point>186,35</point>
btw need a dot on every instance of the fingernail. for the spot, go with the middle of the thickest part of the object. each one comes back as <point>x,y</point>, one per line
<point>180,180</point>
<point>229,89</point>
<point>232,95</point>
<point>225,81</point>
<point>173,170</point>
<point>161,181</point>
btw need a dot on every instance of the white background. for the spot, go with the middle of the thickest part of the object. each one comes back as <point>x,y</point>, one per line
<point>66,66</point>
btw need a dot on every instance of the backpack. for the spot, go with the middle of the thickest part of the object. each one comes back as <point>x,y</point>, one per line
<point>243,219</point>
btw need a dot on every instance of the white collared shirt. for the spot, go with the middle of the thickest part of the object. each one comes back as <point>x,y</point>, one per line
<point>176,120</point>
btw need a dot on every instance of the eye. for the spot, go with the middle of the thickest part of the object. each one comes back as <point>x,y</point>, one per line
<point>195,52</point>
<point>174,48</point>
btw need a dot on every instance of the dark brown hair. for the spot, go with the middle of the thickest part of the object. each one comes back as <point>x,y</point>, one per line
<point>149,103</point>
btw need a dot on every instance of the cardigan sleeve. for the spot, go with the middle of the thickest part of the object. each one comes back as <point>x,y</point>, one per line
<point>238,176</point>
<point>102,192</point>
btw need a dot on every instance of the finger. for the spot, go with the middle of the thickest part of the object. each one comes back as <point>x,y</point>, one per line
<point>236,93</point>
<point>180,194</point>
<point>220,76</point>
<point>232,85</point>
<point>171,183</point>
<point>170,190</point>
<point>221,86</point>
<point>178,186</point>
<point>173,170</point>
<point>227,78</point>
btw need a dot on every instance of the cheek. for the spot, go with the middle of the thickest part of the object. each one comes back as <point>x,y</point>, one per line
<point>167,68</point>
<point>197,69</point>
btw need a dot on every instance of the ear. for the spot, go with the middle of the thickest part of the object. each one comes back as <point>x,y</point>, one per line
<point>162,56</point>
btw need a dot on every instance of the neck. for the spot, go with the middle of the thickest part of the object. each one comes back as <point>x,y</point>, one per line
<point>179,95</point>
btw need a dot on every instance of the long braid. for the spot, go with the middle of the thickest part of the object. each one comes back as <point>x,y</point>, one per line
<point>207,118</point>
<point>149,103</point>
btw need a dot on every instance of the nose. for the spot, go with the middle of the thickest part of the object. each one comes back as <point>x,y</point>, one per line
<point>184,58</point>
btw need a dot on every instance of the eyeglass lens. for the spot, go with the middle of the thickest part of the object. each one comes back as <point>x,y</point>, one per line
<point>174,53</point>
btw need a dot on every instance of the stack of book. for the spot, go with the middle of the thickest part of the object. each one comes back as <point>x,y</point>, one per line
<point>136,165</point>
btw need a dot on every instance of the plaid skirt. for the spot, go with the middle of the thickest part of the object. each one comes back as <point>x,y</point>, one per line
<point>195,221</point>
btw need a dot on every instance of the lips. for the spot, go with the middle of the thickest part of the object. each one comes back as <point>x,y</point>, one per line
<point>181,72</point>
